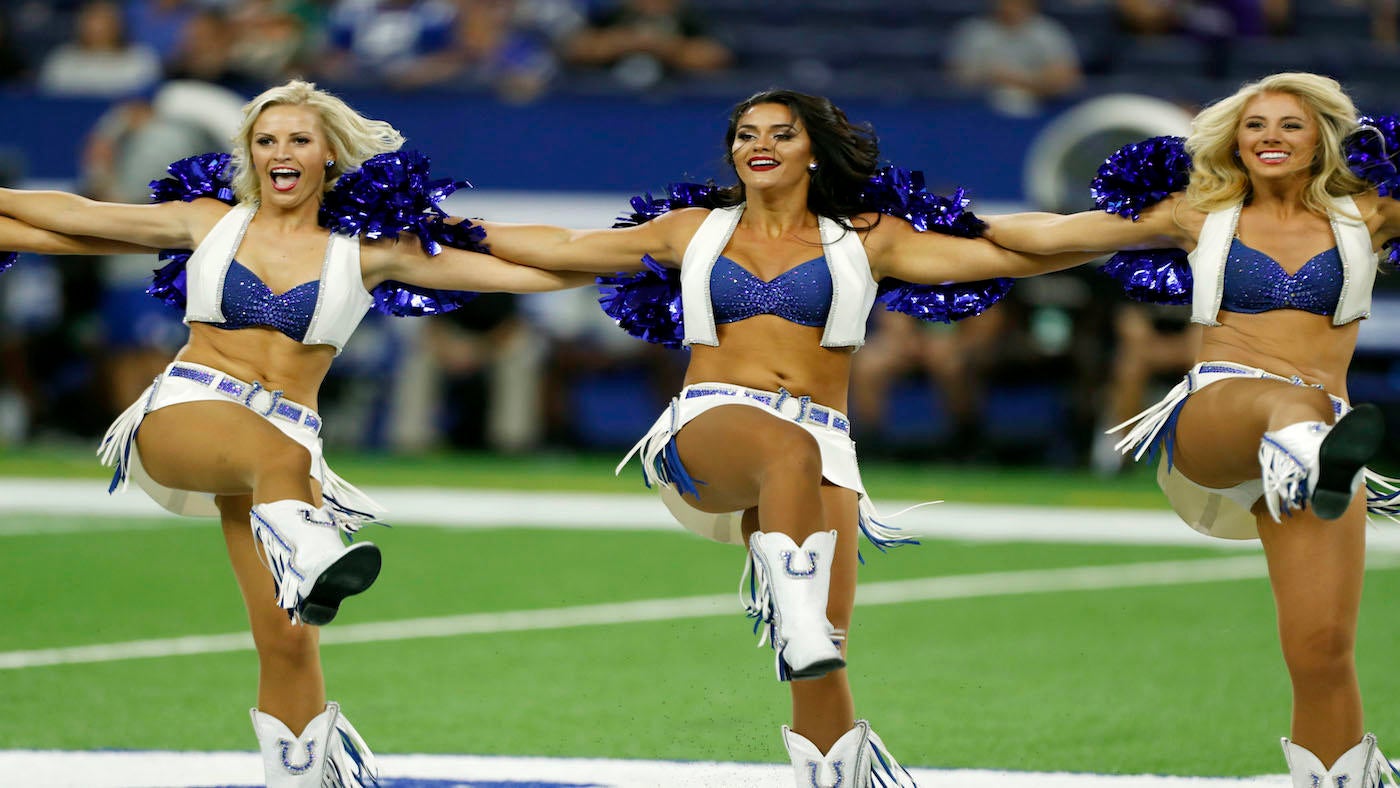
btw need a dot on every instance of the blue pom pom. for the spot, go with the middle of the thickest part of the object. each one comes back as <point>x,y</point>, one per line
<point>646,305</point>
<point>405,300</point>
<point>678,195</point>
<point>1373,153</point>
<point>898,192</point>
<point>169,284</point>
<point>1140,175</point>
<point>387,195</point>
<point>7,259</point>
<point>895,191</point>
<point>942,303</point>
<point>205,175</point>
<point>1152,276</point>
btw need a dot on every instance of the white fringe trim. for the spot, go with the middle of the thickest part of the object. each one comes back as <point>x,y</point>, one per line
<point>1150,422</point>
<point>1285,477</point>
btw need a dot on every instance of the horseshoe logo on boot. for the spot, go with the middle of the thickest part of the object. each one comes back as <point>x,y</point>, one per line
<point>811,560</point>
<point>287,764</point>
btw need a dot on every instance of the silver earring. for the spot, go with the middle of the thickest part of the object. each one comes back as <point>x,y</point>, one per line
<point>330,163</point>
<point>812,167</point>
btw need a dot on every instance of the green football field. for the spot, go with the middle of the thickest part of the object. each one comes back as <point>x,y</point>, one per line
<point>534,641</point>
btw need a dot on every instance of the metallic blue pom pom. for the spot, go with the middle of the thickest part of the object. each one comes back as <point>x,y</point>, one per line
<point>895,191</point>
<point>1133,179</point>
<point>1373,153</point>
<point>387,195</point>
<point>7,259</point>
<point>942,303</point>
<point>169,284</point>
<point>1153,276</point>
<point>646,305</point>
<point>1140,175</point>
<point>205,175</point>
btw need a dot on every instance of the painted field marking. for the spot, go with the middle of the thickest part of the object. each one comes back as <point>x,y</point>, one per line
<point>1038,581</point>
<point>79,505</point>
<point>58,769</point>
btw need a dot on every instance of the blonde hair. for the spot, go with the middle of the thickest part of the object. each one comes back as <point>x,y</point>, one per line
<point>351,136</point>
<point>1218,178</point>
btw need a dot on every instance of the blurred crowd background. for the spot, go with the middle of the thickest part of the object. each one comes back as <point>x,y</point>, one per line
<point>558,110</point>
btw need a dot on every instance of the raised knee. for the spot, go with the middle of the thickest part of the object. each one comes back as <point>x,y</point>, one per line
<point>794,451</point>
<point>291,459</point>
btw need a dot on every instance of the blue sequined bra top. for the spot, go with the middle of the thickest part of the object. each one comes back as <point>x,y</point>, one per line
<point>1255,282</point>
<point>249,302</point>
<point>801,295</point>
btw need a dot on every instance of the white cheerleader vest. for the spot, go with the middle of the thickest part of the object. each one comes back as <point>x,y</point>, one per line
<point>1359,262</point>
<point>341,303</point>
<point>852,286</point>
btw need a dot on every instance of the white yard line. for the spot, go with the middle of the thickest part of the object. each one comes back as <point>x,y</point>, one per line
<point>56,769</point>
<point>1038,581</point>
<point>75,505</point>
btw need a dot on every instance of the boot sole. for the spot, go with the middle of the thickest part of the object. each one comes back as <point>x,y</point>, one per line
<point>1347,448</point>
<point>817,669</point>
<point>352,573</point>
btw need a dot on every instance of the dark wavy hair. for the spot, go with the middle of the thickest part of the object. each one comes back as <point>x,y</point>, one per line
<point>847,153</point>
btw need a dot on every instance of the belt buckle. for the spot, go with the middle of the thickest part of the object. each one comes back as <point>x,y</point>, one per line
<point>255,397</point>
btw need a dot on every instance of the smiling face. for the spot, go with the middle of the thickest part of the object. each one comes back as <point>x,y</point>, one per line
<point>770,147</point>
<point>288,150</point>
<point>1277,137</point>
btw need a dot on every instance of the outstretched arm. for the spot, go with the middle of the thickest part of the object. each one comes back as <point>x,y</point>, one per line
<point>457,269</point>
<point>16,236</point>
<point>602,251</point>
<point>171,225</point>
<point>1093,231</point>
<point>897,250</point>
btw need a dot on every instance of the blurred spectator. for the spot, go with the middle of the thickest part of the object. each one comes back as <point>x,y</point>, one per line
<point>99,61</point>
<point>158,24</point>
<point>204,52</point>
<point>131,146</point>
<point>1148,17</point>
<point>271,44</point>
<point>508,45</point>
<point>402,43</point>
<point>1219,20</point>
<point>953,359</point>
<point>1017,53</point>
<point>490,363</point>
<point>586,348</point>
<point>1385,22</point>
<point>13,64</point>
<point>1150,343</point>
<point>643,40</point>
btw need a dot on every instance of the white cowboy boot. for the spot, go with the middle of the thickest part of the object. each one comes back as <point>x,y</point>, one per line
<point>1321,465</point>
<point>857,760</point>
<point>313,567</point>
<point>1363,766</point>
<point>328,754</point>
<point>788,591</point>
